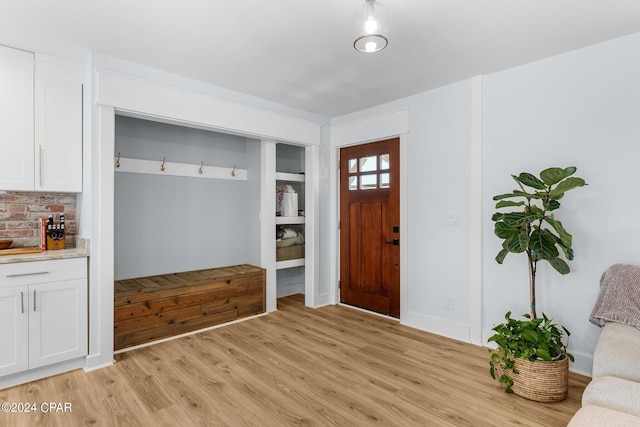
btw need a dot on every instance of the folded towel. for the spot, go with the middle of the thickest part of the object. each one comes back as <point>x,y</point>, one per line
<point>285,233</point>
<point>298,240</point>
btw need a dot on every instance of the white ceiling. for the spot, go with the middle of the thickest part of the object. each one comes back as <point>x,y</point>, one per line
<point>299,52</point>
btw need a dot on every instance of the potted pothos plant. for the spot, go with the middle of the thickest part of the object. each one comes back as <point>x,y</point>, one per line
<point>530,227</point>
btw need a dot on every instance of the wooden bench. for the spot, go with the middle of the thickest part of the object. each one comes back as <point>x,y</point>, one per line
<point>154,307</point>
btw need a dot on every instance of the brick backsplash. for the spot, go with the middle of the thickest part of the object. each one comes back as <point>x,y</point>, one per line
<point>20,214</point>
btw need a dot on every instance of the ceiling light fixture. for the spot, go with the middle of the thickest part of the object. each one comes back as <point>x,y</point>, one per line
<point>371,25</point>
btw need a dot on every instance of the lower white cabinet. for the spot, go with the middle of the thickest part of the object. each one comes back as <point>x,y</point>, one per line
<point>43,313</point>
<point>14,330</point>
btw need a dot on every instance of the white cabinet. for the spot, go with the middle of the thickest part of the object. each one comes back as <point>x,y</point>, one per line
<point>40,123</point>
<point>44,307</point>
<point>58,126</point>
<point>57,322</point>
<point>14,332</point>
<point>16,119</point>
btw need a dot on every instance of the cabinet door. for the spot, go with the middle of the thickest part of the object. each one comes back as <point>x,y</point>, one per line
<point>14,330</point>
<point>57,322</point>
<point>58,126</point>
<point>16,119</point>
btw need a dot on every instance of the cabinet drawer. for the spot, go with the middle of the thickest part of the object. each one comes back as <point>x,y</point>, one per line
<point>27,273</point>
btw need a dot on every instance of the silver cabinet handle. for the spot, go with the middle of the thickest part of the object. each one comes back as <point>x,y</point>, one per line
<point>34,300</point>
<point>27,274</point>
<point>41,164</point>
<point>21,302</point>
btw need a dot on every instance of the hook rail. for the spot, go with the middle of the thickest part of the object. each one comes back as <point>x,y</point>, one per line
<point>180,169</point>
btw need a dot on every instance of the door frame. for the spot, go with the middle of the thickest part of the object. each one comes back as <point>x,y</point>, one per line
<point>394,124</point>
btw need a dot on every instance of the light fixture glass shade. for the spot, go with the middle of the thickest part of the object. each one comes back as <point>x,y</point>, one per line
<point>371,24</point>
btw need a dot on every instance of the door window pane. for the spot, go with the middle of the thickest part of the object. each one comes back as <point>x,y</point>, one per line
<point>353,165</point>
<point>353,183</point>
<point>368,164</point>
<point>384,180</point>
<point>384,161</point>
<point>368,182</point>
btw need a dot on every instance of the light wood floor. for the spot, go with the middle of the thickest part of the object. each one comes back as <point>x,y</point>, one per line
<point>298,366</point>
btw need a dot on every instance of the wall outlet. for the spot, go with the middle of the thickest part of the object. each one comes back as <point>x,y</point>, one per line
<point>448,303</point>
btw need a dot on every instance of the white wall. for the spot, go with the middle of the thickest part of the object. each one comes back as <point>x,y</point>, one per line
<point>166,224</point>
<point>438,164</point>
<point>580,109</point>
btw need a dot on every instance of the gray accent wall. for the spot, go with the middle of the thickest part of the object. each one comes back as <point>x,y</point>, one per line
<point>166,224</point>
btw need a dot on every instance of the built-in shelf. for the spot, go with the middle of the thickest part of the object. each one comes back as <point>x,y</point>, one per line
<point>283,176</point>
<point>289,220</point>
<point>290,263</point>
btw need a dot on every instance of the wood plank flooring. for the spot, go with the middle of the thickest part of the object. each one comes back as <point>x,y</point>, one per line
<point>331,366</point>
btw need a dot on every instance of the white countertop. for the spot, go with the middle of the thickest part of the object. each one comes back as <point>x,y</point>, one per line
<point>81,250</point>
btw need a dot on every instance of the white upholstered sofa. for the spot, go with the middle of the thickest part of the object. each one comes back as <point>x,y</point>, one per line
<point>613,396</point>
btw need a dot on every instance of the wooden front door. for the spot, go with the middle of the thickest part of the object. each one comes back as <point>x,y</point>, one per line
<point>370,226</point>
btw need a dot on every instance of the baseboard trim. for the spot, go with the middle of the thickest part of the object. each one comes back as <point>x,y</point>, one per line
<point>40,373</point>
<point>583,364</point>
<point>434,325</point>
<point>287,290</point>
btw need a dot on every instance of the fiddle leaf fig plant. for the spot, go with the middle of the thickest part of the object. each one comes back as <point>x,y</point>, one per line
<point>529,227</point>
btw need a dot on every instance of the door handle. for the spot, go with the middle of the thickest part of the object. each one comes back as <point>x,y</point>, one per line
<point>394,242</point>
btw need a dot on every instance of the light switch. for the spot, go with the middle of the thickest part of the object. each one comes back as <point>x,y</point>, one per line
<point>452,219</point>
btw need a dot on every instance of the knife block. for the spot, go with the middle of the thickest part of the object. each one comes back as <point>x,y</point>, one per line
<point>53,245</point>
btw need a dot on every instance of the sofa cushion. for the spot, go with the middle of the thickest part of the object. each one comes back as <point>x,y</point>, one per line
<point>613,393</point>
<point>617,353</point>
<point>596,416</point>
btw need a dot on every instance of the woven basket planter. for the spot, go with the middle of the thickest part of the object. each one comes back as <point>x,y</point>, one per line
<point>540,380</point>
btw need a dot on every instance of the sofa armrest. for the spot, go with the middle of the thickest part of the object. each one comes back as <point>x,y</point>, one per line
<point>617,353</point>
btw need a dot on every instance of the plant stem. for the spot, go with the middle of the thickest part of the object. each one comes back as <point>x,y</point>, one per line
<point>532,285</point>
<point>532,267</point>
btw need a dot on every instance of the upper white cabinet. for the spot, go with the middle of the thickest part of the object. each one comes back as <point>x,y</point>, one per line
<point>58,126</point>
<point>40,123</point>
<point>16,120</point>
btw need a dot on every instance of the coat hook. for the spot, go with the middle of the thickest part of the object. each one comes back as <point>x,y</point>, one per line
<point>118,161</point>
<point>162,165</point>
<point>200,170</point>
<point>233,172</point>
